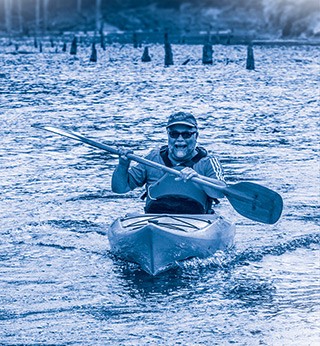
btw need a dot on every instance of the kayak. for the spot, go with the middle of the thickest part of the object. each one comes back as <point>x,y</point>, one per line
<point>157,242</point>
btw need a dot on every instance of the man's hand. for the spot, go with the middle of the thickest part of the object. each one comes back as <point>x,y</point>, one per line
<point>123,159</point>
<point>187,173</point>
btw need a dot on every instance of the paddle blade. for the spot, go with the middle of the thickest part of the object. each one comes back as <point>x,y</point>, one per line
<point>255,202</point>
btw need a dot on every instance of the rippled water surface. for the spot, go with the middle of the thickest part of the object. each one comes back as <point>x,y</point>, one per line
<point>59,282</point>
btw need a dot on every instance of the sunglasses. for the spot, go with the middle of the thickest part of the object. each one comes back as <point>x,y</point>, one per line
<point>185,134</point>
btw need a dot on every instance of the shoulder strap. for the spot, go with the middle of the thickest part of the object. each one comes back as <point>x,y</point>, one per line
<point>165,157</point>
<point>201,153</point>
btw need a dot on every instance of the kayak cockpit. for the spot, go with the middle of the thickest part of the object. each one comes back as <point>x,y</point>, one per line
<point>174,222</point>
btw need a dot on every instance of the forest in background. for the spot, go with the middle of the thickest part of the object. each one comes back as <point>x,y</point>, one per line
<point>258,18</point>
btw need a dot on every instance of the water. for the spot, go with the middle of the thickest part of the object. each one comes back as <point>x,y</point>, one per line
<point>61,285</point>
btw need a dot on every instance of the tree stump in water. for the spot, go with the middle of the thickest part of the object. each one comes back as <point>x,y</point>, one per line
<point>207,49</point>
<point>168,58</point>
<point>93,57</point>
<point>135,40</point>
<point>145,56</point>
<point>73,50</point>
<point>207,54</point>
<point>250,58</point>
<point>102,41</point>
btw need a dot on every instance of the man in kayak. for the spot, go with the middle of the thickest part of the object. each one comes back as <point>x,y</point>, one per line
<point>166,193</point>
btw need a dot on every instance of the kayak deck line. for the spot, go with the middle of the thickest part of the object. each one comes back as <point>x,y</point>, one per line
<point>183,223</point>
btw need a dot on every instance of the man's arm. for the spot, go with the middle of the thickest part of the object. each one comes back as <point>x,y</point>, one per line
<point>211,192</point>
<point>214,174</point>
<point>120,177</point>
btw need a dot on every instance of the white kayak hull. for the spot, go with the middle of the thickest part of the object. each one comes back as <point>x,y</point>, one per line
<point>157,242</point>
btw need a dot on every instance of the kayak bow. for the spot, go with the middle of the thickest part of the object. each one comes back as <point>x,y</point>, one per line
<point>157,242</point>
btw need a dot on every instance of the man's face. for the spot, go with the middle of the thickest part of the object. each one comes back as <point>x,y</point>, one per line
<point>181,148</point>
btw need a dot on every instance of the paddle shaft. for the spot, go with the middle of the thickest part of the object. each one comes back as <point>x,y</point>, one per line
<point>249,199</point>
<point>76,136</point>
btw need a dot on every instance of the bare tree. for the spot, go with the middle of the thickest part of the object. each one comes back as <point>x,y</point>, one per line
<point>45,13</point>
<point>37,15</point>
<point>8,14</point>
<point>98,14</point>
<point>79,6</point>
<point>20,18</point>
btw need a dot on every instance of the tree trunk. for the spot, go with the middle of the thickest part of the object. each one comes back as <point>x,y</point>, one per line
<point>8,14</point>
<point>98,9</point>
<point>20,18</point>
<point>37,15</point>
<point>45,14</point>
<point>79,6</point>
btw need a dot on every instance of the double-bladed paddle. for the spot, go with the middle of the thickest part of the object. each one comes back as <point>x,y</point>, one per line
<point>251,200</point>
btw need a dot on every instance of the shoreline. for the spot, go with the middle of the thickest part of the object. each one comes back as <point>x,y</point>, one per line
<point>144,38</point>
